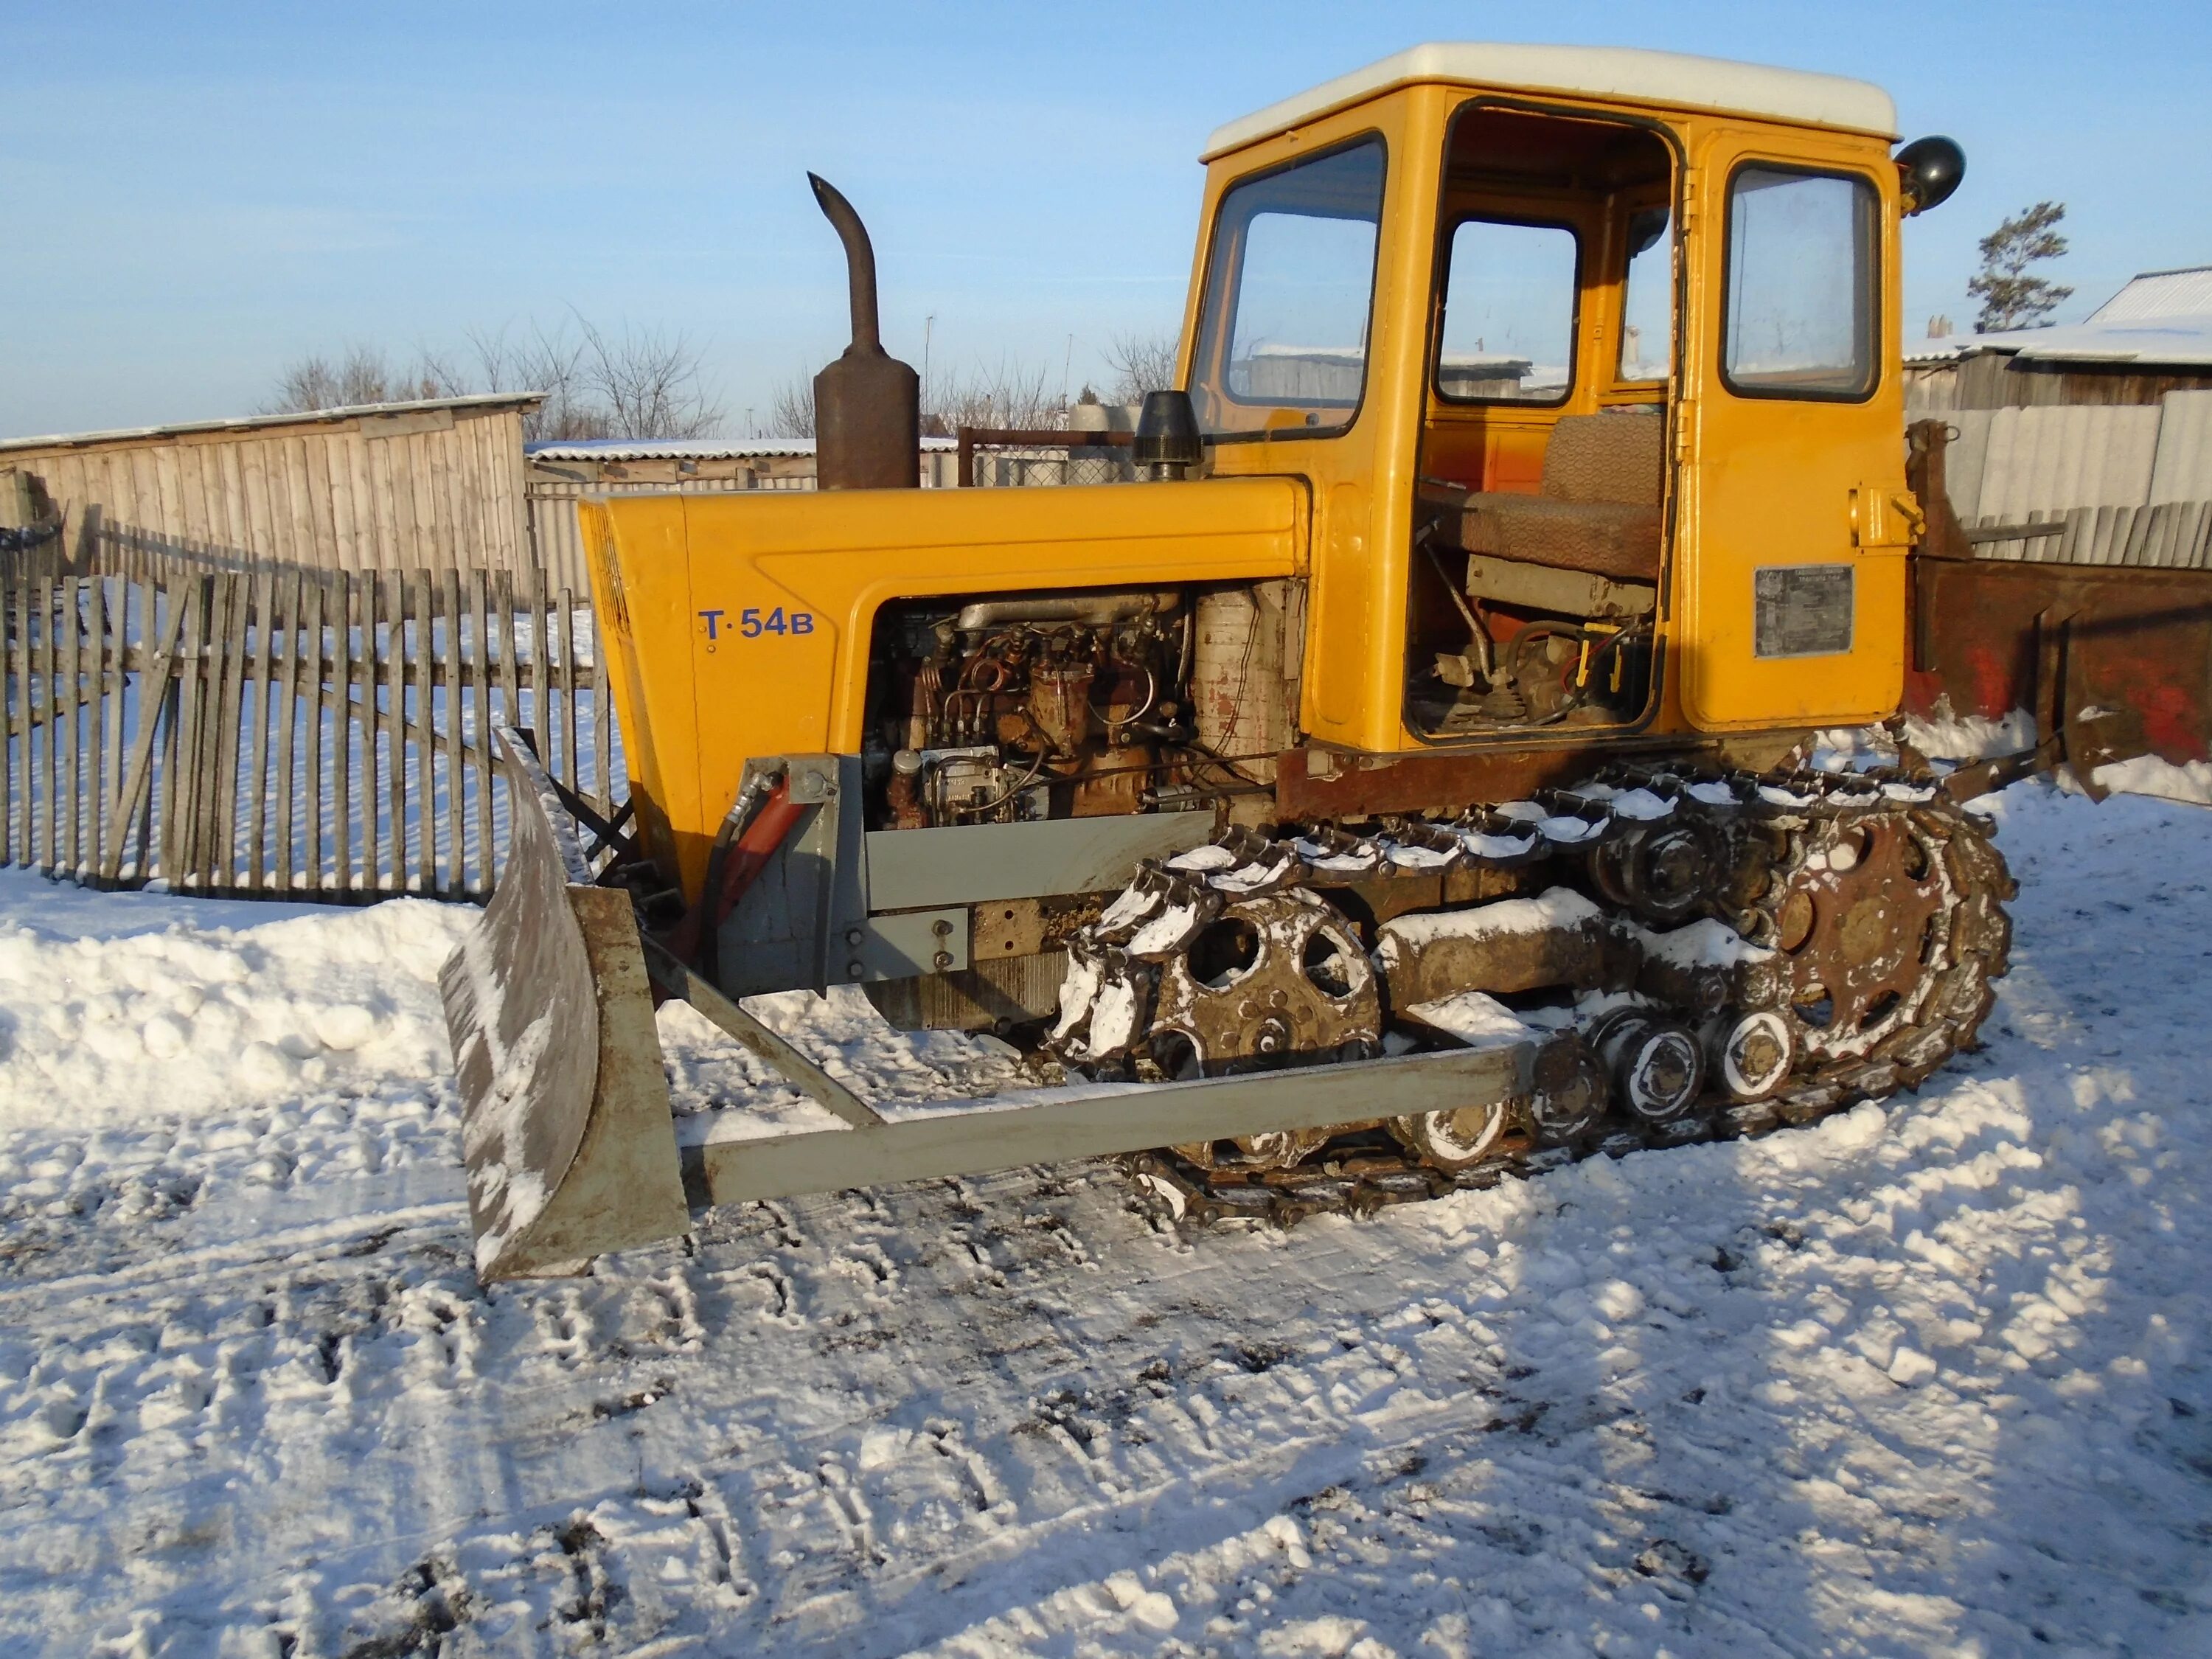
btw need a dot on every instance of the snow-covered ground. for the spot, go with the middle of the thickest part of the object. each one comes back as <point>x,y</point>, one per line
<point>1931,1378</point>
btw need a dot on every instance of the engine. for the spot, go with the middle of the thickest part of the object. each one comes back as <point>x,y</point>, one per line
<point>1006,710</point>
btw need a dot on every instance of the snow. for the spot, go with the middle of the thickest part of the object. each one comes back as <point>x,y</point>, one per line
<point>1555,907</point>
<point>1928,1378</point>
<point>1702,944</point>
<point>1475,1018</point>
<point>2146,774</point>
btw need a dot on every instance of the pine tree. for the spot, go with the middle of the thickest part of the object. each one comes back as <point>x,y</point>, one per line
<point>2010,297</point>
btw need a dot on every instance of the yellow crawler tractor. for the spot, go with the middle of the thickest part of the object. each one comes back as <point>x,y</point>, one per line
<point>1397,784</point>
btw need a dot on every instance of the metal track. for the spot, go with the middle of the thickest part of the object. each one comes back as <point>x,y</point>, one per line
<point>1783,832</point>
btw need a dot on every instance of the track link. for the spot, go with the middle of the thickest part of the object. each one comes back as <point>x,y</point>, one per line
<point>1896,893</point>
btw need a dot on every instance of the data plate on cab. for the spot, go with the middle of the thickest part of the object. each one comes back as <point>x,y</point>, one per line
<point>1801,609</point>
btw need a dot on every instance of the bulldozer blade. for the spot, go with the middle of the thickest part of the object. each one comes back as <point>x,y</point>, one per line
<point>566,1127</point>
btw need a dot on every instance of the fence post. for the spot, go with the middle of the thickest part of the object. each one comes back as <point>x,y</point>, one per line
<point>230,642</point>
<point>457,771</point>
<point>342,729</point>
<point>287,689</point>
<point>311,859</point>
<point>179,794</point>
<point>426,748</point>
<point>395,728</point>
<point>364,610</point>
<point>480,645</point>
<point>50,847</point>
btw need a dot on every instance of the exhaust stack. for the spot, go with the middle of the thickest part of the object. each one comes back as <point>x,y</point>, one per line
<point>867,404</point>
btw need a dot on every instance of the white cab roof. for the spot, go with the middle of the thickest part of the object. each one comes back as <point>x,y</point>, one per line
<point>1657,77</point>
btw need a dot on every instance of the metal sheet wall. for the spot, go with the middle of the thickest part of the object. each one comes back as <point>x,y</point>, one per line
<point>2123,485</point>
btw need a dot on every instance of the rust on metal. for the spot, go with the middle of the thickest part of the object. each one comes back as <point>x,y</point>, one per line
<point>867,403</point>
<point>1269,981</point>
<point>2112,660</point>
<point>2121,655</point>
<point>1857,919</point>
<point>1315,782</point>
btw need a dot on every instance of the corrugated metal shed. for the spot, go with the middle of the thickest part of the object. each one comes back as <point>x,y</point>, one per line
<point>2184,293</point>
<point>2130,485</point>
<point>2162,318</point>
<point>2184,469</point>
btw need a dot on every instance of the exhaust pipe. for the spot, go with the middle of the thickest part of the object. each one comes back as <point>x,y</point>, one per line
<point>867,404</point>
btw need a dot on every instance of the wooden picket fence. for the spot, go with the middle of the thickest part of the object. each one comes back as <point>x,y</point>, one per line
<point>290,734</point>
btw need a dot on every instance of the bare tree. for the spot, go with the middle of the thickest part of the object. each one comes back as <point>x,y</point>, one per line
<point>650,383</point>
<point>363,375</point>
<point>543,361</point>
<point>2010,297</point>
<point>791,408</point>
<point>1141,363</point>
<point>1013,394</point>
<point>639,384</point>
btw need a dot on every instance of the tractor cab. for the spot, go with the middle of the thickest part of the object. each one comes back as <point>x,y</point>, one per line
<point>1589,358</point>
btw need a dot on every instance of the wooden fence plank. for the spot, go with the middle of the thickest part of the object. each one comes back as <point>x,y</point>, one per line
<point>198,868</point>
<point>168,598</point>
<point>510,680</point>
<point>95,599</point>
<point>62,714</point>
<point>395,730</point>
<point>179,795</point>
<point>17,737</point>
<point>566,628</point>
<point>342,729</point>
<point>112,786</point>
<point>286,686</point>
<point>153,691</point>
<point>602,722</point>
<point>364,607</point>
<point>232,644</point>
<point>425,746</point>
<point>480,687</point>
<point>257,815</point>
<point>312,800</point>
<point>43,680</point>
<point>541,680</point>
<point>457,735</point>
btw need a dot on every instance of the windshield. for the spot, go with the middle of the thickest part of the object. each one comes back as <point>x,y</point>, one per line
<point>1282,341</point>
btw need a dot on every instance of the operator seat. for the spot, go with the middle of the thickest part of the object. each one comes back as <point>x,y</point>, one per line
<point>1598,511</point>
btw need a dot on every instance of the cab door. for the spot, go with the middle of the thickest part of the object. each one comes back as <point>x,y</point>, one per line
<point>1798,522</point>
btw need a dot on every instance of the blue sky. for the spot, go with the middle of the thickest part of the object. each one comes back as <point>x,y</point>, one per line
<point>195,195</point>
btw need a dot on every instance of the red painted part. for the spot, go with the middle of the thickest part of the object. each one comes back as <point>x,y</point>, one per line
<point>748,856</point>
<point>2135,639</point>
<point>755,847</point>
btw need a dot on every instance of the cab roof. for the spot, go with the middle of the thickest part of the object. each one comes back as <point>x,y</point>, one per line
<point>1670,78</point>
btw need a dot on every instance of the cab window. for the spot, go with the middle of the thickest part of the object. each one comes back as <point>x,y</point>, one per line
<point>1509,321</point>
<point>1647,307</point>
<point>1799,320</point>
<point>1283,337</point>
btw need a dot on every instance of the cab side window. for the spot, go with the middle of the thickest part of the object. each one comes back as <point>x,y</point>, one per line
<point>1509,324</point>
<point>1800,319</point>
<point>1647,311</point>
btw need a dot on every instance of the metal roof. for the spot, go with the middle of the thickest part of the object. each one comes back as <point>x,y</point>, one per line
<point>253,422</point>
<point>2160,319</point>
<point>685,449</point>
<point>1653,77</point>
<point>2184,293</point>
